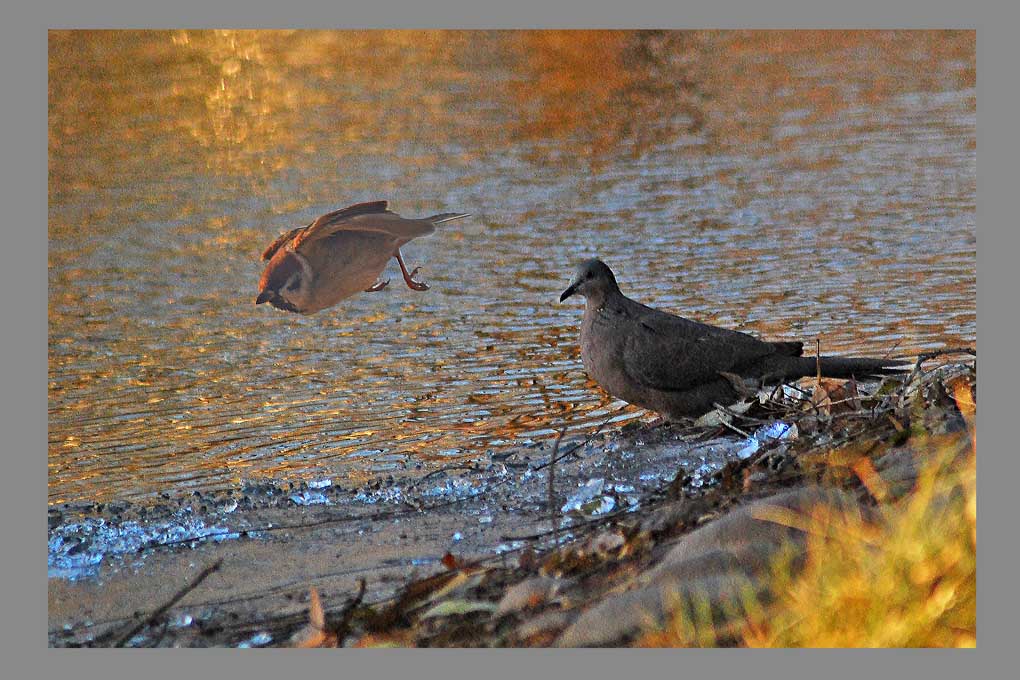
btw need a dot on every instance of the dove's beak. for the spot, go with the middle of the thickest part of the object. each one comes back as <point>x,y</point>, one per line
<point>571,289</point>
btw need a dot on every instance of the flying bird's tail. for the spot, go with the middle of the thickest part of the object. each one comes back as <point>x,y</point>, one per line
<point>446,217</point>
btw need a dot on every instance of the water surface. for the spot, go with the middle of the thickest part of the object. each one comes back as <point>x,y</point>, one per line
<point>796,185</point>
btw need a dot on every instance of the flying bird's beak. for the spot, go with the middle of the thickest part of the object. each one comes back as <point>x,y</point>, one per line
<point>264,296</point>
<point>571,289</point>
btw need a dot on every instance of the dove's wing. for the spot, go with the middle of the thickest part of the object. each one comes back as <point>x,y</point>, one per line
<point>668,352</point>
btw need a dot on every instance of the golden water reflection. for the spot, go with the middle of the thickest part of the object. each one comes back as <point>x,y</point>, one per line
<point>796,184</point>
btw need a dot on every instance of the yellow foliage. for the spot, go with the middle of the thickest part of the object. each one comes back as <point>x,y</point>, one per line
<point>905,578</point>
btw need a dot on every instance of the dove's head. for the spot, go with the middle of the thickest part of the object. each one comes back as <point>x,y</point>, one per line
<point>593,279</point>
<point>286,283</point>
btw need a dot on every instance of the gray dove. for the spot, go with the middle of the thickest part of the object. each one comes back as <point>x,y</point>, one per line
<point>339,254</point>
<point>681,368</point>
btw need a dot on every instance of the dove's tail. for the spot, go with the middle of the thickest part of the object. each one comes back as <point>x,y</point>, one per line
<point>851,367</point>
<point>446,217</point>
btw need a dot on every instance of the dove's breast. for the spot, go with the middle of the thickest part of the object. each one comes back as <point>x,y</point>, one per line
<point>603,347</point>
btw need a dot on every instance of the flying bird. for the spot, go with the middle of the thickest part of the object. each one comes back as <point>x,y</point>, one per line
<point>344,252</point>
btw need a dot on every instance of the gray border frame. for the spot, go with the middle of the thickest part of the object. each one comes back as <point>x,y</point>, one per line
<point>24,61</point>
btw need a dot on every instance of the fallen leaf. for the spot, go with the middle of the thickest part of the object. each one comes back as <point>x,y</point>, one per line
<point>315,633</point>
<point>457,607</point>
<point>529,594</point>
<point>872,481</point>
<point>528,560</point>
<point>401,638</point>
<point>831,395</point>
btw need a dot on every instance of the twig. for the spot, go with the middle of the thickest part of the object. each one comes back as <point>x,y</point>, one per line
<point>343,626</point>
<point>152,618</point>
<point>580,527</point>
<point>925,356</point>
<point>734,414</point>
<point>734,428</point>
<point>553,514</point>
<point>575,447</point>
<point>892,349</point>
<point>862,415</point>
<point>163,629</point>
<point>921,358</point>
<point>818,358</point>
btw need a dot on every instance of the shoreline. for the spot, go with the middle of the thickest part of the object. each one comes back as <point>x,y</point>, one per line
<point>276,543</point>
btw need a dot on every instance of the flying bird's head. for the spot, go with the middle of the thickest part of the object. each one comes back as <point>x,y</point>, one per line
<point>593,279</point>
<point>287,282</point>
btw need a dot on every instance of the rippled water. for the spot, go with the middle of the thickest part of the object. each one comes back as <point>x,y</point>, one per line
<point>797,185</point>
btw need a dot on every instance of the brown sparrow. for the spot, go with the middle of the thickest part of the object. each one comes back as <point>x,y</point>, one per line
<point>339,254</point>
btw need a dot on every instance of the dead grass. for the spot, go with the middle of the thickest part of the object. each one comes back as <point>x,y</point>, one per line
<point>906,577</point>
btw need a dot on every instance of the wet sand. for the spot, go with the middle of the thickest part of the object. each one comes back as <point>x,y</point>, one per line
<point>274,549</point>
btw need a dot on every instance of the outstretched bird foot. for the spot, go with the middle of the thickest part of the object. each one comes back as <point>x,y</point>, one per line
<point>415,285</point>
<point>377,286</point>
<point>409,276</point>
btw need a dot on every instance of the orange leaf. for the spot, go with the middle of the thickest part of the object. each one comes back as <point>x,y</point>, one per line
<point>872,481</point>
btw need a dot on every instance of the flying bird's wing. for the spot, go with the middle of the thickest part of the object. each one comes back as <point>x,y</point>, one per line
<point>325,225</point>
<point>280,241</point>
<point>371,217</point>
<point>668,352</point>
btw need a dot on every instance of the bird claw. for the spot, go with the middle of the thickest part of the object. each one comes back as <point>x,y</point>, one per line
<point>415,285</point>
<point>409,277</point>
<point>377,286</point>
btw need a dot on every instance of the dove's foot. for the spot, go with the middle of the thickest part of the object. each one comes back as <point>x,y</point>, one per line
<point>409,276</point>
<point>378,285</point>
